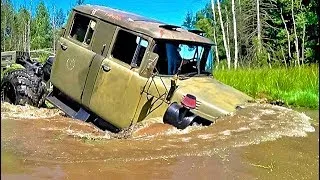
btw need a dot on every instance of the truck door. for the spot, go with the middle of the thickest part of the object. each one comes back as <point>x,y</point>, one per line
<point>115,98</point>
<point>73,58</point>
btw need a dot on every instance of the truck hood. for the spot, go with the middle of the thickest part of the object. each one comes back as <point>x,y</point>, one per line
<point>214,99</point>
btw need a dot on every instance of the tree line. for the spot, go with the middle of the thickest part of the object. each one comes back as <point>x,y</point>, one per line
<point>255,33</point>
<point>23,31</point>
<point>250,33</point>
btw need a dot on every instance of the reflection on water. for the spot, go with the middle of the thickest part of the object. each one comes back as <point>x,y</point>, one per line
<point>259,141</point>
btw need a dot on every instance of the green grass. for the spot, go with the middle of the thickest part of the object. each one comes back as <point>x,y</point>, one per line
<point>298,87</point>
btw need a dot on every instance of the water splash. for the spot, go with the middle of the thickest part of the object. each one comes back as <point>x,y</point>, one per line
<point>253,124</point>
<point>9,111</point>
<point>258,123</point>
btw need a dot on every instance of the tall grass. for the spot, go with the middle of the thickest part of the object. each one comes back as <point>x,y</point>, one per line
<point>296,86</point>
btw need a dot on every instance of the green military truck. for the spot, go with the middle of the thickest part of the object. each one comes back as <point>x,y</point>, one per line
<point>11,57</point>
<point>115,68</point>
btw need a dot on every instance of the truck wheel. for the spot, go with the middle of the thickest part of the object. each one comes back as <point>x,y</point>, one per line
<point>178,116</point>
<point>20,87</point>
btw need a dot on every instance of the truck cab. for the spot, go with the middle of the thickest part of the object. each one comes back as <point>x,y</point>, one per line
<point>115,68</point>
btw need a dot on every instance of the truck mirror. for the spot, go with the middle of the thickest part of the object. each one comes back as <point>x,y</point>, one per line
<point>151,60</point>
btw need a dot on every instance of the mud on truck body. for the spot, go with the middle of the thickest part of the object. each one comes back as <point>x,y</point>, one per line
<point>114,69</point>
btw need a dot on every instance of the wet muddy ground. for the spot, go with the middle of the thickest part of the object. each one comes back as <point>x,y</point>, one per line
<point>258,142</point>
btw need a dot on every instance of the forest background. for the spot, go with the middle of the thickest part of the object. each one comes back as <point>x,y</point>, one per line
<point>266,48</point>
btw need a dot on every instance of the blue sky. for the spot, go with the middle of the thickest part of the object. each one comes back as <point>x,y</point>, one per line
<point>169,11</point>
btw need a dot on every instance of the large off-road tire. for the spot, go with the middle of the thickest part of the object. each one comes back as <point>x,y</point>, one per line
<point>21,87</point>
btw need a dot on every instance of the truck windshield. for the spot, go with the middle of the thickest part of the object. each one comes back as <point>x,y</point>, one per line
<point>183,58</point>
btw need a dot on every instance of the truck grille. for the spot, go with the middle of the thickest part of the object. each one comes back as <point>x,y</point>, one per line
<point>198,103</point>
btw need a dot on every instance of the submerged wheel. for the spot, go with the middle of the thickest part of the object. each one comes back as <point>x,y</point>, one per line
<point>178,116</point>
<point>20,87</point>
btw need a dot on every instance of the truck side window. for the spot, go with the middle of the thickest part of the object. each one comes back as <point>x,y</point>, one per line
<point>82,29</point>
<point>129,48</point>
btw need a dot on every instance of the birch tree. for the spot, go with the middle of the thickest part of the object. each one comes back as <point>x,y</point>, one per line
<point>227,33</point>
<point>235,35</point>
<point>258,26</point>
<point>287,31</point>
<point>29,28</point>
<point>54,29</point>
<point>224,35</point>
<point>214,33</point>
<point>295,35</point>
<point>3,26</point>
<point>302,46</point>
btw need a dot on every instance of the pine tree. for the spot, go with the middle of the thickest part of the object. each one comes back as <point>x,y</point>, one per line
<point>41,28</point>
<point>189,21</point>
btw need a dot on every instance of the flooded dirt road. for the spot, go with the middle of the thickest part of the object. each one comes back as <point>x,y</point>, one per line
<point>258,142</point>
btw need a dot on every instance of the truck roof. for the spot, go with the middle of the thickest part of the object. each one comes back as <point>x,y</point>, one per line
<point>147,26</point>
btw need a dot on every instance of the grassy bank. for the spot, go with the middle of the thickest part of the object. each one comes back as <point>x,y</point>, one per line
<point>297,87</point>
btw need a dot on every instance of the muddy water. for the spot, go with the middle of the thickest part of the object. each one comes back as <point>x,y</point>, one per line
<point>258,142</point>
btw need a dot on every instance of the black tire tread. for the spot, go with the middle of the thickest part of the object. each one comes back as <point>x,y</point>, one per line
<point>28,87</point>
